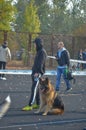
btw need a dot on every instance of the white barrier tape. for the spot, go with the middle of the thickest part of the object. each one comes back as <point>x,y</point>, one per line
<point>29,72</point>
<point>72,60</point>
<point>52,57</point>
<point>78,61</point>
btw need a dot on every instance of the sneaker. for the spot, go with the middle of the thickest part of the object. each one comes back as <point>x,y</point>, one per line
<point>27,108</point>
<point>68,89</point>
<point>35,106</point>
<point>3,78</point>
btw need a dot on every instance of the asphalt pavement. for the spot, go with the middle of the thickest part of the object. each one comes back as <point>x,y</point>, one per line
<point>19,87</point>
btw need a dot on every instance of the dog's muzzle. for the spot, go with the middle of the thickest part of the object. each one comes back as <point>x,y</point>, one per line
<point>43,88</point>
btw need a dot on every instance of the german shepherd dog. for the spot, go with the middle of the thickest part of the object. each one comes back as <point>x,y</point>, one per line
<point>50,101</point>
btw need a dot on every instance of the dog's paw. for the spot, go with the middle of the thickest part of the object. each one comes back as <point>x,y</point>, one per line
<point>44,114</point>
<point>36,112</point>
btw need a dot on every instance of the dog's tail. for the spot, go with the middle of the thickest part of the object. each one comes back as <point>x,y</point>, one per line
<point>57,111</point>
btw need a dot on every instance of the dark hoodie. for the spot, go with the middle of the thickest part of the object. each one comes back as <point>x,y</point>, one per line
<point>40,58</point>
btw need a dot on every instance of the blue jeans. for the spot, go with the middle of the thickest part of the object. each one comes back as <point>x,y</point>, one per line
<point>61,71</point>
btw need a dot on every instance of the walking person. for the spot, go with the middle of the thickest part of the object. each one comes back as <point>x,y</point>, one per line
<point>84,58</point>
<point>63,59</point>
<point>37,70</point>
<point>4,54</point>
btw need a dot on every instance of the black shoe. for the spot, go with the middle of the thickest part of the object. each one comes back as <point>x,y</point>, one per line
<point>57,89</point>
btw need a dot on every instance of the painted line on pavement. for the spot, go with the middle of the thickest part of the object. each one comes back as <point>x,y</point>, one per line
<point>45,123</point>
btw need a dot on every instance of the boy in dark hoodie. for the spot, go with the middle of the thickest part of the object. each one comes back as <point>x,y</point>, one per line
<point>4,54</point>
<point>38,69</point>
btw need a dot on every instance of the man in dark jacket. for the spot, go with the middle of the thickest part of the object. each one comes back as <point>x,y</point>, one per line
<point>38,69</point>
<point>63,59</point>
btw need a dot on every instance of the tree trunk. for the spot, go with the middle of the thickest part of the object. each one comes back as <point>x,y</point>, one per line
<point>29,42</point>
<point>29,49</point>
<point>51,60</point>
<point>5,35</point>
<point>73,47</point>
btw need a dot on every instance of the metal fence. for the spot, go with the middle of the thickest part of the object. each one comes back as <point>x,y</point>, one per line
<point>22,48</point>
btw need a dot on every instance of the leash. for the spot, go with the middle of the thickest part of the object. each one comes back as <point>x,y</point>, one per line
<point>35,90</point>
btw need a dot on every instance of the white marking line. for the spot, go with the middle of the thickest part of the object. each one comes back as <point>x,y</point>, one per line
<point>70,94</point>
<point>45,123</point>
<point>48,72</point>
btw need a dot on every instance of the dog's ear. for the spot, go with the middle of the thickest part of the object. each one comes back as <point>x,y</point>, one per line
<point>47,80</point>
